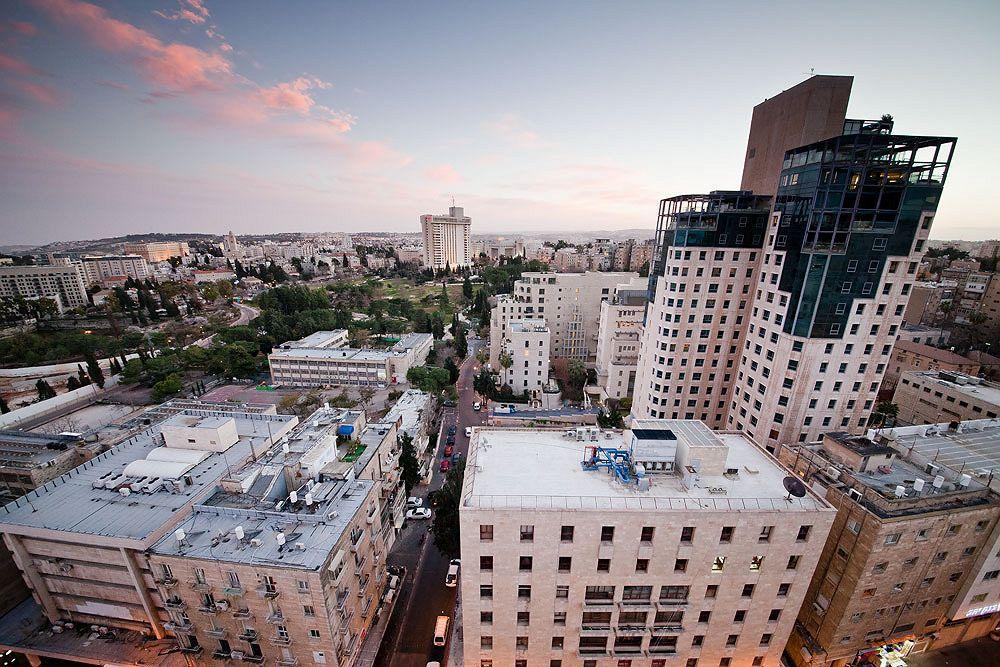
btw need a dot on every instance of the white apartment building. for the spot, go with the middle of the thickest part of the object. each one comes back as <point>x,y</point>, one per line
<point>97,269</point>
<point>570,303</point>
<point>527,346</point>
<point>669,542</point>
<point>158,251</point>
<point>447,241</point>
<point>317,362</point>
<point>618,341</point>
<point>61,283</point>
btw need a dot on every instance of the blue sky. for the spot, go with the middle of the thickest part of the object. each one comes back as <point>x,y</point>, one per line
<point>189,115</point>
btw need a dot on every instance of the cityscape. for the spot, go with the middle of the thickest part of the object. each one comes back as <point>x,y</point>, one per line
<point>758,426</point>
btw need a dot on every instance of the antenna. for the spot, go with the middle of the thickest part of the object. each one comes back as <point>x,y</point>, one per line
<point>811,72</point>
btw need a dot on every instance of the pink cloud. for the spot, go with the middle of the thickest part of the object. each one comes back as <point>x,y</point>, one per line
<point>9,63</point>
<point>37,91</point>
<point>442,173</point>
<point>511,127</point>
<point>175,66</point>
<point>292,95</point>
<point>192,11</point>
<point>22,28</point>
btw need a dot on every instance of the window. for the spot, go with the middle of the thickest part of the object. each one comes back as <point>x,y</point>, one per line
<point>687,534</point>
<point>559,618</point>
<point>704,616</point>
<point>892,538</point>
<point>521,643</point>
<point>732,639</point>
<point>774,615</point>
<point>740,616</point>
<point>486,618</point>
<point>557,643</point>
<point>748,590</point>
<point>565,563</point>
<point>599,594</point>
<point>647,534</point>
<point>783,590</point>
<point>793,562</point>
<point>674,593</point>
<point>524,563</point>
<point>524,591</point>
<point>607,533</point>
<point>527,533</point>
<point>485,533</point>
<point>486,591</point>
<point>562,592</point>
<point>642,565</point>
<point>712,590</point>
<point>765,639</point>
<point>765,534</point>
<point>603,564</point>
<point>681,565</point>
<point>803,533</point>
<point>523,618</point>
<point>486,643</point>
<point>566,534</point>
<point>727,534</point>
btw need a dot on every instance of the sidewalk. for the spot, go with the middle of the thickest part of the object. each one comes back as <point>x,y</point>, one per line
<point>455,645</point>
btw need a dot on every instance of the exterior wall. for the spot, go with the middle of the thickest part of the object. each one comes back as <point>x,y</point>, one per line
<point>883,580</point>
<point>315,372</point>
<point>618,340</point>
<point>810,111</point>
<point>703,638</point>
<point>528,345</point>
<point>907,356</point>
<point>62,283</point>
<point>158,251</point>
<point>98,269</point>
<point>925,400</point>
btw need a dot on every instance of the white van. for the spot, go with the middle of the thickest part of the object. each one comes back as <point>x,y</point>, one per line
<point>441,631</point>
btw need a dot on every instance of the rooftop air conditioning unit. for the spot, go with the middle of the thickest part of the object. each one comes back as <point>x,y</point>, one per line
<point>255,542</point>
<point>854,494</point>
<point>236,655</point>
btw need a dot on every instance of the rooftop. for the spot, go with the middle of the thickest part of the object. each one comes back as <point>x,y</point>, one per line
<point>973,387</point>
<point>541,469</point>
<point>296,351</point>
<point>22,449</point>
<point>411,407</point>
<point>318,339</point>
<point>859,444</point>
<point>973,447</point>
<point>99,498</point>
<point>931,352</point>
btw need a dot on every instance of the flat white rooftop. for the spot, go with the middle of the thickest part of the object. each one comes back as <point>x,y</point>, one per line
<point>522,468</point>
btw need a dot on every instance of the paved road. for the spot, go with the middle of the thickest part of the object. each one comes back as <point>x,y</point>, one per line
<point>426,595</point>
<point>247,313</point>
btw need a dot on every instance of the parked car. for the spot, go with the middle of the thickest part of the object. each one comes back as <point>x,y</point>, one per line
<point>445,465</point>
<point>448,450</point>
<point>441,631</point>
<point>451,430</point>
<point>477,406</point>
<point>413,501</point>
<point>468,431</point>
<point>419,513</point>
<point>451,579</point>
<point>450,440</point>
<point>456,457</point>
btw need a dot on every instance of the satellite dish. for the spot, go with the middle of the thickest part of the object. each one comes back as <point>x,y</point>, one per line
<point>794,486</point>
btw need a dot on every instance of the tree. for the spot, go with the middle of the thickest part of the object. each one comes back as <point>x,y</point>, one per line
<point>428,378</point>
<point>167,387</point>
<point>94,369</point>
<point>366,394</point>
<point>437,325</point>
<point>45,391</point>
<point>609,419</point>
<point>484,383</point>
<point>445,527</point>
<point>453,372</point>
<point>444,293</point>
<point>82,377</point>
<point>409,466</point>
<point>72,383</point>
<point>461,344</point>
<point>467,288</point>
<point>4,408</point>
<point>506,361</point>
<point>885,414</point>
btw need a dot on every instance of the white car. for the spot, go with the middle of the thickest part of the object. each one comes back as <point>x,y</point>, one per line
<point>477,406</point>
<point>413,502</point>
<point>419,513</point>
<point>451,579</point>
<point>468,431</point>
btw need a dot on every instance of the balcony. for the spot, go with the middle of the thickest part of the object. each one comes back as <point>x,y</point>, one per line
<point>666,627</point>
<point>233,591</point>
<point>209,609</point>
<point>592,630</point>
<point>248,635</point>
<point>275,618</point>
<point>359,566</point>
<point>216,632</point>
<point>182,627</point>
<point>630,630</point>
<point>599,602</point>
<point>192,650</point>
<point>290,661</point>
<point>167,582</point>
<point>243,613</point>
<point>202,586</point>
<point>269,592</point>
<point>637,603</point>
<point>342,596</point>
<point>221,655</point>
<point>662,650</point>
<point>279,640</point>
<point>175,603</point>
<point>672,602</point>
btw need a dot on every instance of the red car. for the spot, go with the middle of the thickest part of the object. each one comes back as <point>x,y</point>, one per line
<point>445,465</point>
<point>448,450</point>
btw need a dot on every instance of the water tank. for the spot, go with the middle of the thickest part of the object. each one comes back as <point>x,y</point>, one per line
<point>309,500</point>
<point>240,534</point>
<point>285,448</point>
<point>280,537</point>
<point>345,429</point>
<point>180,534</point>
<point>964,480</point>
<point>918,485</point>
<point>900,491</point>
<point>938,481</point>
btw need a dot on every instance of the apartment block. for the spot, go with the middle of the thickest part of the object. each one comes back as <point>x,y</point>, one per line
<point>527,346</point>
<point>447,242</point>
<point>920,333</point>
<point>274,568</point>
<point>902,550</point>
<point>412,413</point>
<point>709,250</point>
<point>618,338</point>
<point>570,303</point>
<point>929,397</point>
<point>158,251</point>
<point>99,269</point>
<point>63,283</point>
<point>318,361</point>
<point>913,356</point>
<point>667,541</point>
<point>80,540</point>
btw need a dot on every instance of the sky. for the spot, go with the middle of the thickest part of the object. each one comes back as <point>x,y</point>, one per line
<point>126,116</point>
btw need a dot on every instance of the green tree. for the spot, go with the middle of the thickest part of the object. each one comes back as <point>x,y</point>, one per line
<point>445,526</point>
<point>444,294</point>
<point>409,466</point>
<point>453,372</point>
<point>4,408</point>
<point>167,387</point>
<point>94,369</point>
<point>437,325</point>
<point>72,383</point>
<point>428,378</point>
<point>467,288</point>
<point>82,377</point>
<point>461,344</point>
<point>885,414</point>
<point>45,391</point>
<point>609,419</point>
<point>484,383</point>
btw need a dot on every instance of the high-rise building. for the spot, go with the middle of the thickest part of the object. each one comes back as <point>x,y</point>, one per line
<point>805,113</point>
<point>570,303</point>
<point>62,283</point>
<point>700,293</point>
<point>158,251</point>
<point>526,344</point>
<point>447,242</point>
<point>849,225</point>
<point>669,542</point>
<point>99,268</point>
<point>618,338</point>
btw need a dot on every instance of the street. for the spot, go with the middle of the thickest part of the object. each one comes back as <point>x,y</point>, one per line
<point>409,636</point>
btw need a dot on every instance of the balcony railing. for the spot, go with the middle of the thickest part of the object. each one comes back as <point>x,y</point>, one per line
<point>183,626</point>
<point>201,586</point>
<point>175,604</point>
<point>233,591</point>
<point>269,592</point>
<point>248,635</point>
<point>167,582</point>
<point>275,618</point>
<point>243,613</point>
<point>194,650</point>
<point>215,632</point>
<point>279,640</point>
<point>290,661</point>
